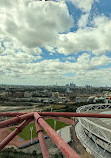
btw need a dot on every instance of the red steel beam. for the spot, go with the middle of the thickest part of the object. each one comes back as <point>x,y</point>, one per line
<point>64,147</point>
<point>9,114</point>
<point>71,114</point>
<point>65,114</point>
<point>16,119</point>
<point>42,141</point>
<point>14,133</point>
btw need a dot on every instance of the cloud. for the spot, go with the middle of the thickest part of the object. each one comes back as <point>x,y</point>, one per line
<point>35,23</point>
<point>43,72</point>
<point>9,46</point>
<point>19,66</point>
<point>14,58</point>
<point>27,26</point>
<point>84,5</point>
<point>50,49</point>
<point>101,61</point>
<point>95,39</point>
<point>83,20</point>
<point>71,58</point>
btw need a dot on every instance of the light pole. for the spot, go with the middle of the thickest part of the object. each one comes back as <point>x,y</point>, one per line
<point>51,109</point>
<point>54,125</point>
<point>59,132</point>
<point>31,129</point>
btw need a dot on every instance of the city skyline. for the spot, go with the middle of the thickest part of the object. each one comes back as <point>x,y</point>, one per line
<point>43,43</point>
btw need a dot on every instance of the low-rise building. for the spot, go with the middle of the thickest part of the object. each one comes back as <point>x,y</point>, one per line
<point>18,94</point>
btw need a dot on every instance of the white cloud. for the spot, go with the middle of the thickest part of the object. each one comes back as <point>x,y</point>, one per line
<point>83,20</point>
<point>96,39</point>
<point>19,67</point>
<point>36,23</point>
<point>44,71</point>
<point>84,5</point>
<point>102,60</point>
<point>50,49</point>
<point>71,58</point>
<point>43,24</point>
<point>14,58</point>
<point>96,77</point>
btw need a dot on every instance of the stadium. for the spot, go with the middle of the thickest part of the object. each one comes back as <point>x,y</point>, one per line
<point>95,133</point>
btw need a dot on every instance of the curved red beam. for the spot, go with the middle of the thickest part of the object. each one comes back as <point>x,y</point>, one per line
<point>64,147</point>
<point>16,119</point>
<point>42,141</point>
<point>71,114</point>
<point>14,133</point>
<point>10,114</point>
<point>56,114</point>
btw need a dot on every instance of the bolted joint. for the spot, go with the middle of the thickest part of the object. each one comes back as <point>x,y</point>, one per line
<point>40,130</point>
<point>18,118</point>
<point>19,128</point>
<point>39,118</point>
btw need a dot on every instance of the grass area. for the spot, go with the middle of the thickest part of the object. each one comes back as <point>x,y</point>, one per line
<point>25,134</point>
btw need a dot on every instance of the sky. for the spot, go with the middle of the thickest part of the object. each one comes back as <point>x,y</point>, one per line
<point>55,42</point>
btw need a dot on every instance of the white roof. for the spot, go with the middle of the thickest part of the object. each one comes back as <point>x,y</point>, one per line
<point>64,133</point>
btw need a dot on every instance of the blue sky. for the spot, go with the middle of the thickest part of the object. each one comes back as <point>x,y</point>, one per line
<point>44,43</point>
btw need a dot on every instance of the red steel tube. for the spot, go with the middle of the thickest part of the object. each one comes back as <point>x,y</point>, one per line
<point>11,113</point>
<point>65,114</point>
<point>16,119</point>
<point>71,114</point>
<point>14,133</point>
<point>64,147</point>
<point>42,141</point>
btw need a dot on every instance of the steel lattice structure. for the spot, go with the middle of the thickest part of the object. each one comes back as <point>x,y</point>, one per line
<point>26,118</point>
<point>97,129</point>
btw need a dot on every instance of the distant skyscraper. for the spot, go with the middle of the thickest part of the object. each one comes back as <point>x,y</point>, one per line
<point>72,85</point>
